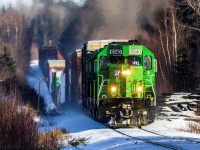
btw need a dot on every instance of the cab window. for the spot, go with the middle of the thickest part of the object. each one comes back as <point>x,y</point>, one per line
<point>147,62</point>
<point>134,60</point>
<point>95,66</point>
<point>117,59</point>
<point>103,63</point>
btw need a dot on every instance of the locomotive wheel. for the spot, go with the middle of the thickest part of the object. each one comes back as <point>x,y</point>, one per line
<point>147,118</point>
<point>152,114</point>
<point>84,105</point>
<point>90,111</point>
<point>88,104</point>
<point>101,115</point>
<point>96,114</point>
<point>93,103</point>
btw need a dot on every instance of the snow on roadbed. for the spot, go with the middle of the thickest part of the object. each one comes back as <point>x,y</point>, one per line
<point>102,138</point>
<point>99,136</point>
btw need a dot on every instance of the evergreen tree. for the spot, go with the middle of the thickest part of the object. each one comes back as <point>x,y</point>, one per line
<point>7,65</point>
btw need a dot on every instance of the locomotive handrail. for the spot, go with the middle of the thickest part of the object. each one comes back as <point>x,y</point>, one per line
<point>152,87</point>
<point>102,82</point>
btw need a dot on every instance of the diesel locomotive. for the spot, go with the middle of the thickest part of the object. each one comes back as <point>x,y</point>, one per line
<point>114,80</point>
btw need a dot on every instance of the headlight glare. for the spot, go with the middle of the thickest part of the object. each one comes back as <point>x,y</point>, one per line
<point>113,89</point>
<point>139,89</point>
<point>126,72</point>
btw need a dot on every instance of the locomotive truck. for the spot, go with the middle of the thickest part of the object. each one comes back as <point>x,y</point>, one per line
<point>114,80</point>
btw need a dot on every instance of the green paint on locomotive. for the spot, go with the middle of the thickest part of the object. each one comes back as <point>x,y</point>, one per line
<point>119,83</point>
<point>123,72</point>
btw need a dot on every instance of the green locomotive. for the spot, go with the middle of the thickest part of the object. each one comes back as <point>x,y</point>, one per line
<point>118,83</point>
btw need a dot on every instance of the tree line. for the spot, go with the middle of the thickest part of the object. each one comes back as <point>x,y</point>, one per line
<point>173,35</point>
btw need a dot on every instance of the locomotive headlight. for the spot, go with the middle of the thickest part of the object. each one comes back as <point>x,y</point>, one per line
<point>126,72</point>
<point>113,89</point>
<point>139,89</point>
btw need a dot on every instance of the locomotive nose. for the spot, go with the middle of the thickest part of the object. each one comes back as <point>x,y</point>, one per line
<point>127,81</point>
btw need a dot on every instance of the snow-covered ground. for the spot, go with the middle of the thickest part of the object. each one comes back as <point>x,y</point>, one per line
<point>172,116</point>
<point>100,137</point>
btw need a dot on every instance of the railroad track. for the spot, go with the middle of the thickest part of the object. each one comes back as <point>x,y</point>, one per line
<point>175,138</point>
<point>157,143</point>
<point>148,141</point>
<point>164,145</point>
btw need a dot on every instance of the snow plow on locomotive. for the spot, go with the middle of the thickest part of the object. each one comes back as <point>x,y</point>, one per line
<point>117,82</point>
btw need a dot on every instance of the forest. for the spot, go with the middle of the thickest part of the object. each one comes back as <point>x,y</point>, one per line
<point>170,29</point>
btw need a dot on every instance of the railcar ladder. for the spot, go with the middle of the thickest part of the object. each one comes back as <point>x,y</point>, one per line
<point>152,86</point>
<point>101,86</point>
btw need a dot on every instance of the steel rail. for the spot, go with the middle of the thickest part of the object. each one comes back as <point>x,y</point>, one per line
<point>147,140</point>
<point>176,138</point>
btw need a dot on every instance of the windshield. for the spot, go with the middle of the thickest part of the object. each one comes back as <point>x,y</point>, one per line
<point>134,60</point>
<point>117,59</point>
<point>148,62</point>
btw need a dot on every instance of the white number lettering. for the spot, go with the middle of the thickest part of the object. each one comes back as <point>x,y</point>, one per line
<point>135,52</point>
<point>116,51</point>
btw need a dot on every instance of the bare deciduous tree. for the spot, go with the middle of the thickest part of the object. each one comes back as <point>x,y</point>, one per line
<point>195,5</point>
<point>191,9</point>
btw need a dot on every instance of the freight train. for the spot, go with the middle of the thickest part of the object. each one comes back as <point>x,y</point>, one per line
<point>52,65</point>
<point>114,80</point>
